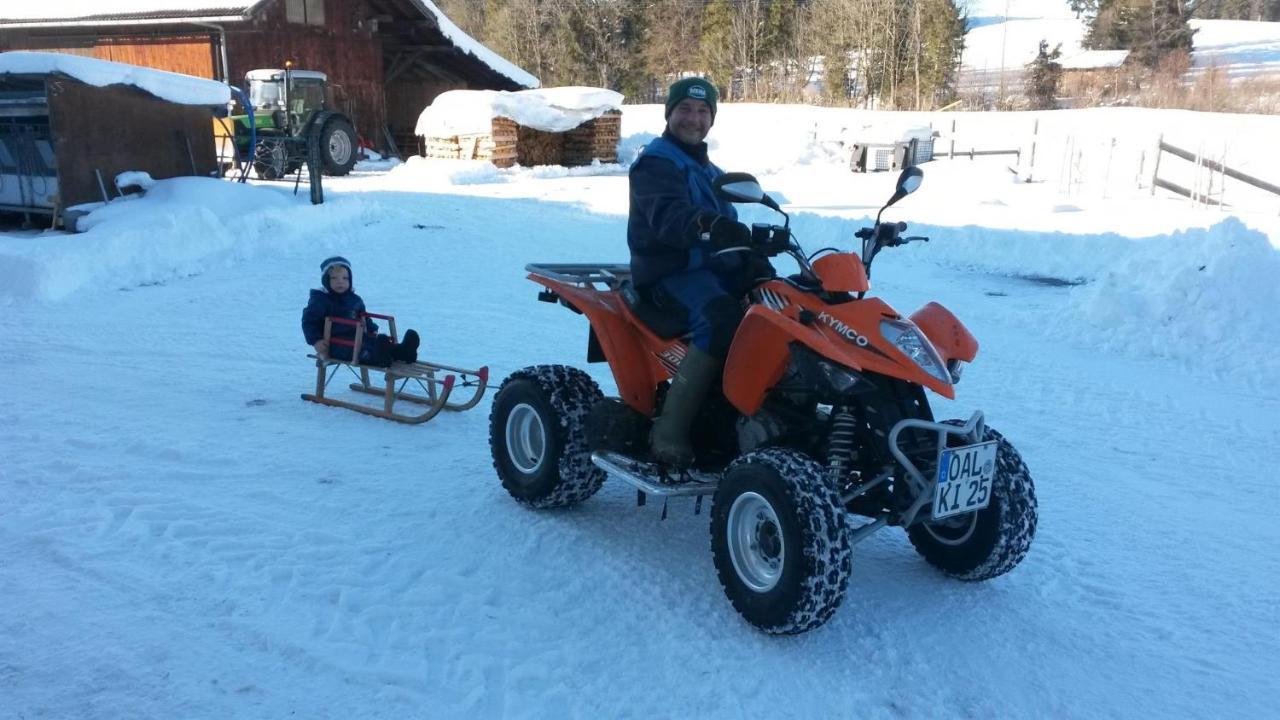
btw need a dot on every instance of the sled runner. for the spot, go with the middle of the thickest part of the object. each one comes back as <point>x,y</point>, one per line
<point>435,382</point>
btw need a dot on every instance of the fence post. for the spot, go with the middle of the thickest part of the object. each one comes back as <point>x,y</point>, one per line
<point>1155,172</point>
<point>952,152</point>
<point>1031,164</point>
<point>1106,175</point>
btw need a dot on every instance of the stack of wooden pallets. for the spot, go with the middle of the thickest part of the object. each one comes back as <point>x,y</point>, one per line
<point>508,143</point>
<point>593,140</point>
<point>497,146</point>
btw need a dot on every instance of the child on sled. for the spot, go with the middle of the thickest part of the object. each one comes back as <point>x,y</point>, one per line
<point>337,300</point>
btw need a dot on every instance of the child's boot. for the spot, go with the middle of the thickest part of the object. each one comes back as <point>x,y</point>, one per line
<point>407,350</point>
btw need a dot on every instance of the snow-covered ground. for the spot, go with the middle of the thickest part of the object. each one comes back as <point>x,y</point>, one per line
<point>998,49</point>
<point>183,537</point>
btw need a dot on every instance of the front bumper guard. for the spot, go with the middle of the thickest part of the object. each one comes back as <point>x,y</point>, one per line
<point>972,432</point>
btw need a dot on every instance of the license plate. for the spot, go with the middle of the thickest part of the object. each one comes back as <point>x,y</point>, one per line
<point>965,475</point>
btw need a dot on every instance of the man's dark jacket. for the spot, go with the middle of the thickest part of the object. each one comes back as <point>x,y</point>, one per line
<point>672,205</point>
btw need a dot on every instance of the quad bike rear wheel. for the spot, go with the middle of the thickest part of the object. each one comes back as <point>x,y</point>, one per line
<point>537,436</point>
<point>989,542</point>
<point>780,541</point>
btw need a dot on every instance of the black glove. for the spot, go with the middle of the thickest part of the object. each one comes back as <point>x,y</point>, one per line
<point>727,232</point>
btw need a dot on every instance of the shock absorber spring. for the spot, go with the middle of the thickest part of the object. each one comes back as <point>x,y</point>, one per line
<point>840,443</point>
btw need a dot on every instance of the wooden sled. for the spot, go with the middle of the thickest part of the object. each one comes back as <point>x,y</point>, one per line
<point>436,382</point>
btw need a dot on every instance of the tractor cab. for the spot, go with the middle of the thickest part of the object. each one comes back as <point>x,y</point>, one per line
<point>286,99</point>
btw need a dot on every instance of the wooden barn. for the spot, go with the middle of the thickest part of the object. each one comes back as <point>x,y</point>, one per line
<point>1091,78</point>
<point>70,125</point>
<point>385,59</point>
<point>557,126</point>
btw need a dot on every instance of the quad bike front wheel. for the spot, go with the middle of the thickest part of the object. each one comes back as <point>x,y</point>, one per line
<point>537,436</point>
<point>990,542</point>
<point>780,541</point>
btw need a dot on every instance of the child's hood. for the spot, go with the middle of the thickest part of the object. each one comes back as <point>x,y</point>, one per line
<point>336,261</point>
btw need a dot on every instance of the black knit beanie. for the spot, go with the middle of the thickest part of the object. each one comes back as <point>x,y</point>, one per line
<point>338,261</point>
<point>692,87</point>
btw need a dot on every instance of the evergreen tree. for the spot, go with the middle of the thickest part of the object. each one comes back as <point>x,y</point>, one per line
<point>1043,76</point>
<point>942,43</point>
<point>717,45</point>
<point>1149,29</point>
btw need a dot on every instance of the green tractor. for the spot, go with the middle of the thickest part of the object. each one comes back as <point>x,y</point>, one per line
<point>290,109</point>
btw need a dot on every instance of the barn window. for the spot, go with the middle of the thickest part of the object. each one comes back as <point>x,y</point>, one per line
<point>304,12</point>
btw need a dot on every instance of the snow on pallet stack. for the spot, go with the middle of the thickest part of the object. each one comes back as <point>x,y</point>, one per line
<point>556,126</point>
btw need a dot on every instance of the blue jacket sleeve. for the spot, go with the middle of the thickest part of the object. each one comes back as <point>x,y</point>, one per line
<point>660,193</point>
<point>313,318</point>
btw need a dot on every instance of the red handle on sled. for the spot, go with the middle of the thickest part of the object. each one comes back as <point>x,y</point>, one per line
<point>342,321</point>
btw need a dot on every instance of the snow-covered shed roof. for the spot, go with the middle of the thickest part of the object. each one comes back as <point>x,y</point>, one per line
<point>472,46</point>
<point>468,112</point>
<point>1094,60</point>
<point>67,13</point>
<point>173,87</point>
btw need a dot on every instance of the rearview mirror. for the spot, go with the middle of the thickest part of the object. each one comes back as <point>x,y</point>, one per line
<point>910,179</point>
<point>739,187</point>
<point>908,182</point>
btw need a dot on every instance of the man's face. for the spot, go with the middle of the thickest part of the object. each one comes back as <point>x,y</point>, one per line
<point>339,279</point>
<point>690,121</point>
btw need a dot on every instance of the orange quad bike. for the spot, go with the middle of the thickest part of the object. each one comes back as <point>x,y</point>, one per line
<point>819,434</point>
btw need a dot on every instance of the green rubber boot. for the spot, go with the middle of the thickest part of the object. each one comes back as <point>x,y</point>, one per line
<point>669,441</point>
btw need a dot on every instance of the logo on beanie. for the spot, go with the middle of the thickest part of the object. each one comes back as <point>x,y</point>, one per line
<point>697,91</point>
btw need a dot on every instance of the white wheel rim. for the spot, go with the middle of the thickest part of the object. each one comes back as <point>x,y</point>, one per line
<point>339,148</point>
<point>958,530</point>
<point>526,438</point>
<point>755,541</point>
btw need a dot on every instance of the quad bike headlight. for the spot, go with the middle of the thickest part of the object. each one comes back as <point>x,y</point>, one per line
<point>828,378</point>
<point>908,339</point>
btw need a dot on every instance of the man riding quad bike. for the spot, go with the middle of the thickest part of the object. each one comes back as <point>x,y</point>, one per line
<point>818,434</point>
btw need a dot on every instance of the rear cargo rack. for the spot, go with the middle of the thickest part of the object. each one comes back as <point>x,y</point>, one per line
<point>611,275</point>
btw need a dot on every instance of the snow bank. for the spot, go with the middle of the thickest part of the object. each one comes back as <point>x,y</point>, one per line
<point>428,173</point>
<point>176,229</point>
<point>176,88</point>
<point>1202,295</point>
<point>469,112</point>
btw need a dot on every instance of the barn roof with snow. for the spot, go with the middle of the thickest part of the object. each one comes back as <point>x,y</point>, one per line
<point>64,13</point>
<point>385,59</point>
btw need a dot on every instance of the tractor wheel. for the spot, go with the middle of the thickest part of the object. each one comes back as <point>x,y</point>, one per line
<point>337,147</point>
<point>271,159</point>
<point>538,438</point>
